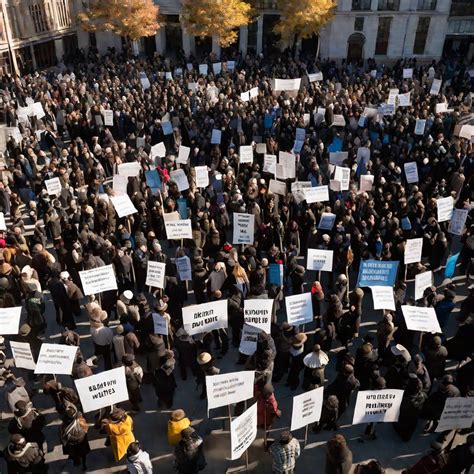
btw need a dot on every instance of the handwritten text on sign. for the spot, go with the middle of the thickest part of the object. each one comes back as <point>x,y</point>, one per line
<point>205,317</point>
<point>224,389</point>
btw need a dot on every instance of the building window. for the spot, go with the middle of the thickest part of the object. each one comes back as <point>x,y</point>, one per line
<point>426,5</point>
<point>461,27</point>
<point>64,19</point>
<point>359,23</point>
<point>13,22</point>
<point>383,35</point>
<point>389,5</point>
<point>45,54</point>
<point>38,15</point>
<point>462,8</point>
<point>361,4</point>
<point>421,35</point>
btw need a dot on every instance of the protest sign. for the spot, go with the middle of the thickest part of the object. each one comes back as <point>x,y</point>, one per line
<point>338,121</point>
<point>366,182</point>
<point>320,260</point>
<point>144,81</point>
<point>224,389</point>
<point>179,229</point>
<point>102,390</point>
<point>450,268</point>
<point>253,92</point>
<point>297,190</point>
<point>160,324</point>
<point>167,127</point>
<point>10,320</point>
<point>299,309</point>
<point>422,281</point>
<point>418,318</point>
<point>407,73</point>
<point>377,406</point>
<point>182,208</point>
<point>383,297</point>
<point>155,274</point>
<point>98,280</point>
<point>458,220</point>
<point>377,273</point>
<point>245,96</point>
<point>183,265</point>
<point>420,126</point>
<point>392,96</point>
<point>216,136</point>
<point>248,340</point>
<point>108,117</point>
<point>327,221</point>
<point>243,431</point>
<point>343,175</point>
<point>3,224</point>
<point>203,69</point>
<point>202,176</point>
<point>206,317</point>
<point>307,408</point>
<point>180,178</point>
<point>404,100</point>
<point>258,313</point>
<point>217,68</point>
<point>171,216</point>
<point>413,249</point>
<point>317,76</point>
<point>37,110</point>
<point>445,208</point>
<point>317,194</point>
<point>158,150</point>
<point>129,169</point>
<point>435,86</point>
<point>288,160</point>
<point>123,205</point>
<point>119,184</point>
<point>153,180</point>
<point>287,84</point>
<point>22,355</point>
<point>334,185</point>
<point>411,172</point>
<point>277,187</point>
<point>441,108</point>
<point>53,186</point>
<point>261,148</point>
<point>458,414</point>
<point>269,164</point>
<point>246,154</point>
<point>243,228</point>
<point>55,359</point>
<point>338,157</point>
<point>275,274</point>
<point>183,155</point>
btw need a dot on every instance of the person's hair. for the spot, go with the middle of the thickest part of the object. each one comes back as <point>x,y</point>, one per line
<point>133,448</point>
<point>336,444</point>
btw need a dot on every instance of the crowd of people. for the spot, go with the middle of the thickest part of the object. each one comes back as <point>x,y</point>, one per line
<point>169,101</point>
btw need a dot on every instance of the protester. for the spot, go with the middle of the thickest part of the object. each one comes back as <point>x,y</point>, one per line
<point>176,424</point>
<point>284,453</point>
<point>73,434</point>
<point>138,460</point>
<point>189,457</point>
<point>338,456</point>
<point>119,427</point>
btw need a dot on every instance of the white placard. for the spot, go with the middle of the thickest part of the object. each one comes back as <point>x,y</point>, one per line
<point>180,178</point>
<point>383,297</point>
<point>144,81</point>
<point>253,92</point>
<point>338,121</point>
<point>53,186</point>
<point>155,274</point>
<point>3,224</point>
<point>277,187</point>
<point>216,136</point>
<point>445,208</point>
<point>203,69</point>
<point>392,96</point>
<point>119,184</point>
<point>56,359</point>
<point>320,260</point>
<point>160,324</point>
<point>334,185</point>
<point>458,220</point>
<point>183,265</point>
<point>22,355</point>
<point>338,157</point>
<point>317,76</point>
<point>258,313</point>
<point>246,154</point>
<point>435,86</point>
<point>225,389</point>
<point>377,406</point>
<point>317,194</point>
<point>366,182</point>
<point>420,126</point>
<point>108,117</point>
<point>458,414</point>
<point>407,73</point>
<point>123,205</point>
<point>441,108</point>
<point>37,110</point>
<point>288,160</point>
<point>307,408</point>
<point>217,68</point>
<point>422,281</point>
<point>269,164</point>
<point>102,390</point>
<point>404,100</point>
<point>202,176</point>
<point>206,317</point>
<point>129,169</point>
<point>98,280</point>
<point>327,221</point>
<point>243,431</point>
<point>248,340</point>
<point>343,175</point>
<point>299,309</point>
<point>245,96</point>
<point>171,216</point>
<point>287,84</point>
<point>261,148</point>
<point>158,150</point>
<point>411,172</point>
<point>10,320</point>
<point>413,249</point>
<point>244,225</point>
<point>179,229</point>
<point>183,154</point>
<point>418,318</point>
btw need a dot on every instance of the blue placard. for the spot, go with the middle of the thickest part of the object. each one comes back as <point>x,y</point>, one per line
<point>153,180</point>
<point>406,224</point>
<point>377,273</point>
<point>275,274</point>
<point>268,122</point>
<point>450,269</point>
<point>336,145</point>
<point>298,146</point>
<point>183,208</point>
<point>167,128</point>
<point>386,139</point>
<point>374,136</point>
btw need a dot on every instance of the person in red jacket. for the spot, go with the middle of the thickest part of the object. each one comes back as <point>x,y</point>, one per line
<point>267,406</point>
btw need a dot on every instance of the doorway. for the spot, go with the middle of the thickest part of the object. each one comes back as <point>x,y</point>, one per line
<point>355,47</point>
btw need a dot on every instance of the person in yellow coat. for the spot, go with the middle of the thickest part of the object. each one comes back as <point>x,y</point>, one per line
<point>177,423</point>
<point>119,427</point>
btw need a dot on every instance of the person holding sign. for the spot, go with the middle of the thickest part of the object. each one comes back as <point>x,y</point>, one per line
<point>119,428</point>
